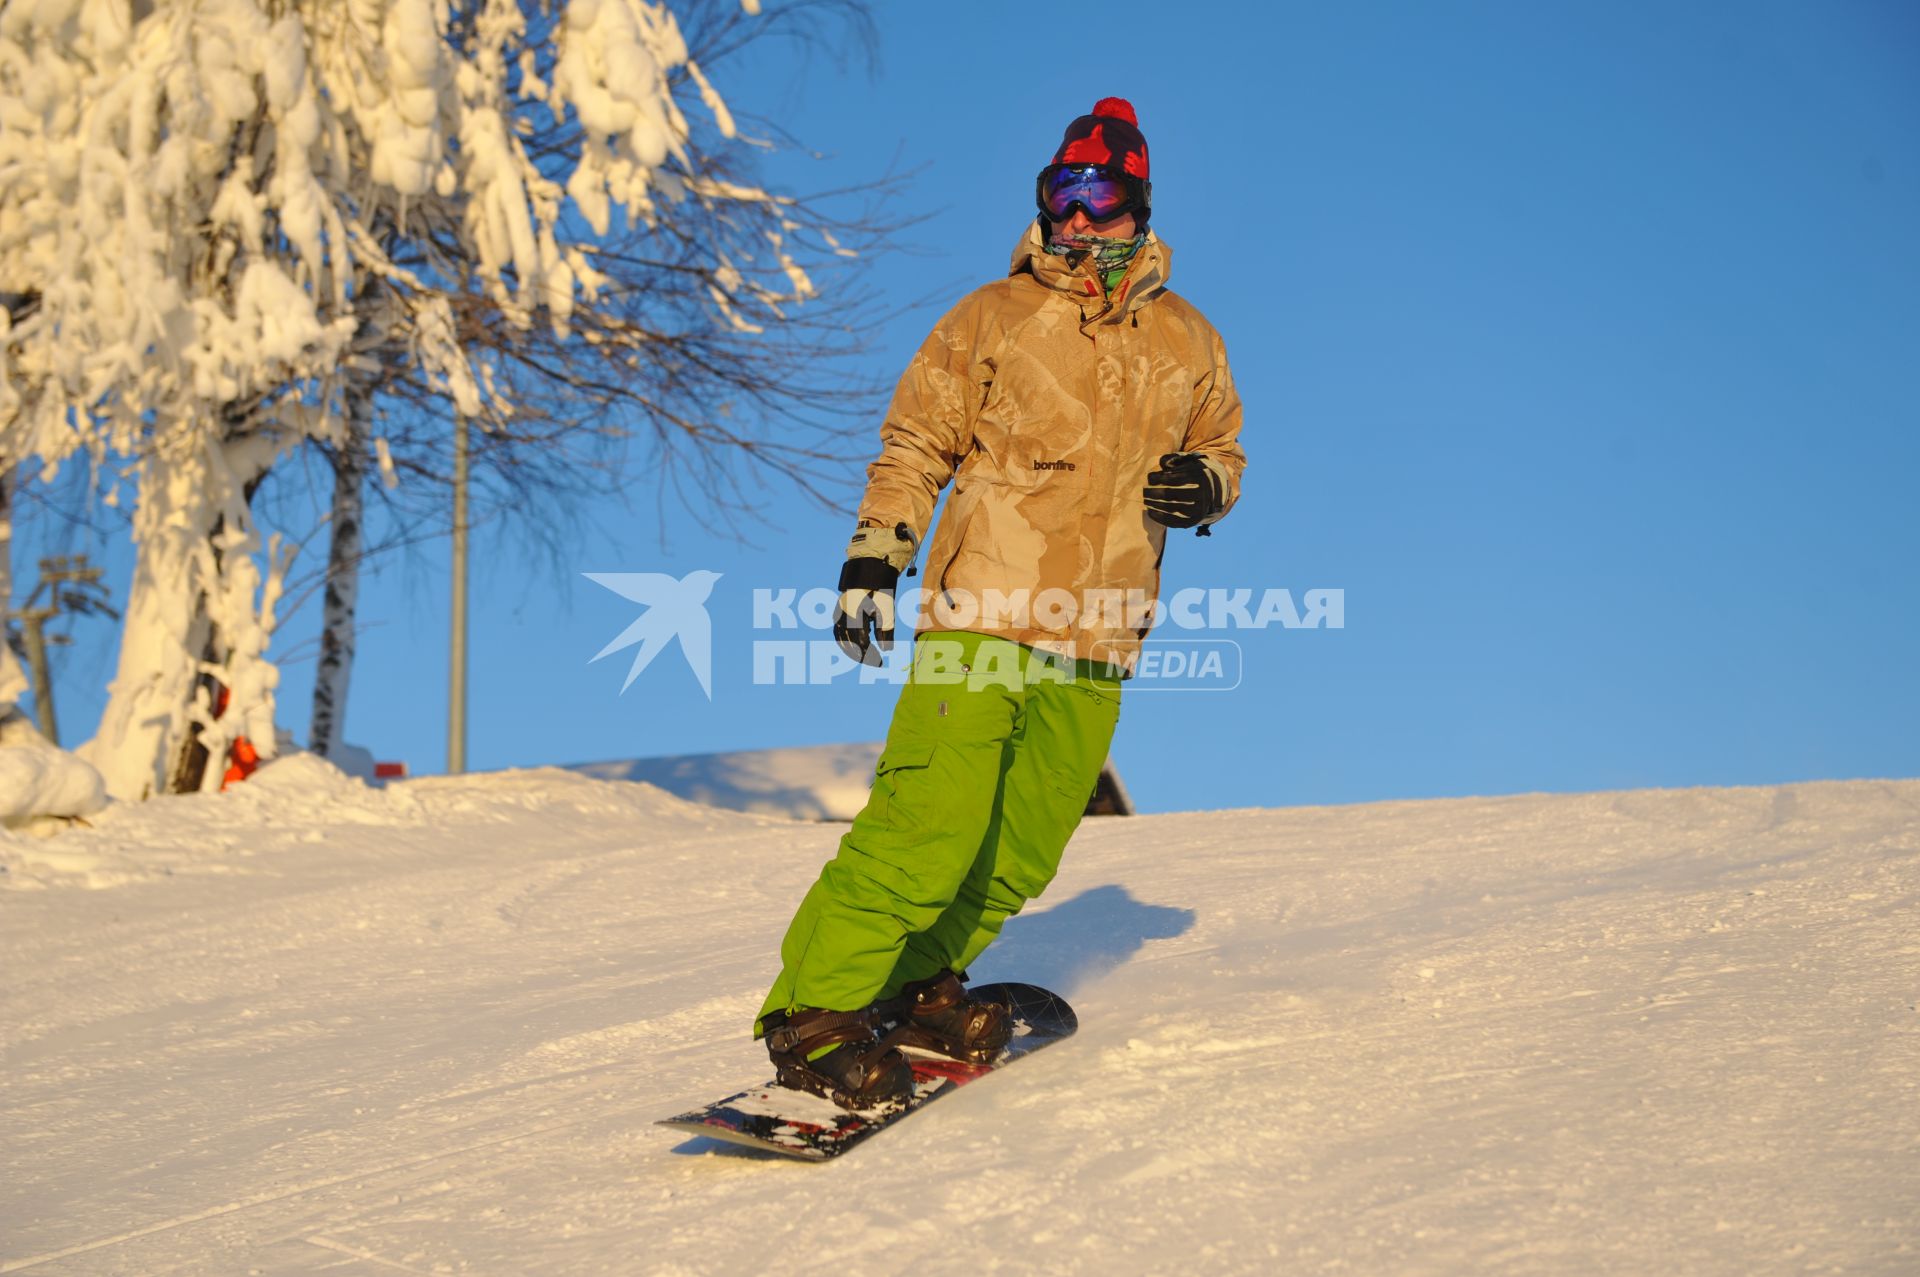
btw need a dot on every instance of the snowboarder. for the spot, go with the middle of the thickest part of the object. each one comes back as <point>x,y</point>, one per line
<point>1080,410</point>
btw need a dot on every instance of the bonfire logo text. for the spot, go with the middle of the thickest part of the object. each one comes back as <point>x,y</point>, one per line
<point>676,607</point>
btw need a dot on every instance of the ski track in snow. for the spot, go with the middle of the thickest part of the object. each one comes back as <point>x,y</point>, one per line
<point>311,1027</point>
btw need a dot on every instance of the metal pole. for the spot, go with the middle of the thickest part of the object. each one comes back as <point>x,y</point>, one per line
<point>31,629</point>
<point>457,662</point>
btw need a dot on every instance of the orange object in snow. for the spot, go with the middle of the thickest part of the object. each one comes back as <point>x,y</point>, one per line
<point>245,758</point>
<point>242,757</point>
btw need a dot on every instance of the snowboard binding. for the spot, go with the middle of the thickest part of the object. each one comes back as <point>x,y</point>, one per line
<point>858,1070</point>
<point>937,1015</point>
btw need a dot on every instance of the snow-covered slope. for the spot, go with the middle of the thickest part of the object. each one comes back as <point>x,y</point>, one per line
<point>308,1026</point>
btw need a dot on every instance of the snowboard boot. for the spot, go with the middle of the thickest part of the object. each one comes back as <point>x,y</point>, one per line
<point>836,1054</point>
<point>937,1015</point>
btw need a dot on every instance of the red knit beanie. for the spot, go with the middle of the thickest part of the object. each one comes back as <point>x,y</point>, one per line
<point>1110,135</point>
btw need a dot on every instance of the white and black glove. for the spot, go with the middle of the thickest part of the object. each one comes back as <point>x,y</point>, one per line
<point>1185,492</point>
<point>875,558</point>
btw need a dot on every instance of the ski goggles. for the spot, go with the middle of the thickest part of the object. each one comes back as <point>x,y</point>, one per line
<point>1102,193</point>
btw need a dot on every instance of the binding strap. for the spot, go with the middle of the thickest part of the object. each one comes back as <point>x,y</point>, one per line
<point>820,1029</point>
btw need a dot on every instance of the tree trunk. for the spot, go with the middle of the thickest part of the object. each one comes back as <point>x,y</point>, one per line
<point>199,614</point>
<point>331,679</point>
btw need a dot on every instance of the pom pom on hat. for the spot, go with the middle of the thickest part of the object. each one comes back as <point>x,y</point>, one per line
<point>1109,134</point>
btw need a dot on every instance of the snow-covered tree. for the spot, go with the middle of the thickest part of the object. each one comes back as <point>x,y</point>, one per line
<point>685,372</point>
<point>228,218</point>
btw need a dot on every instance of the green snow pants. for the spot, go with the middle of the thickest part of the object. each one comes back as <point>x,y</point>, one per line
<point>991,758</point>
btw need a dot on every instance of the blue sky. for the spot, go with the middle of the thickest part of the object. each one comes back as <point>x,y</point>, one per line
<point>1577,344</point>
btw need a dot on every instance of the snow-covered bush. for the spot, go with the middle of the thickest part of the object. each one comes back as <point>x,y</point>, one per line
<point>39,785</point>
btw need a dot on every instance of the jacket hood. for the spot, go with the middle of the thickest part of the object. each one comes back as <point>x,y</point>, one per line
<point>1146,276</point>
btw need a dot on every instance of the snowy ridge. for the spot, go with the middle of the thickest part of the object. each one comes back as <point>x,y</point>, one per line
<point>427,1028</point>
<point>298,802</point>
<point>810,782</point>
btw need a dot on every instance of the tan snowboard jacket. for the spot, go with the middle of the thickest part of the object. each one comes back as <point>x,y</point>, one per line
<point>1047,403</point>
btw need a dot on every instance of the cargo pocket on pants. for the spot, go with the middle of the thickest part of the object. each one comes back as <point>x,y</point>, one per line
<point>901,765</point>
<point>1070,788</point>
<point>1102,710</point>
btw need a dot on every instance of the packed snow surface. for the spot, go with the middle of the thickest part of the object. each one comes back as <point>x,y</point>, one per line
<point>308,1026</point>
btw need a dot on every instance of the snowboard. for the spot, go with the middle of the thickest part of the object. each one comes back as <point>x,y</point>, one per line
<point>795,1124</point>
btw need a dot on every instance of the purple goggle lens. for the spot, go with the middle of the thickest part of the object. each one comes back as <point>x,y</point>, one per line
<point>1100,191</point>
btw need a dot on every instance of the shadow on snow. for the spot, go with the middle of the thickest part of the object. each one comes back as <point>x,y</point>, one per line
<point>1079,940</point>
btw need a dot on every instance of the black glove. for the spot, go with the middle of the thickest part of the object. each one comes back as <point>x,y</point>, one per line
<point>1184,492</point>
<point>875,557</point>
